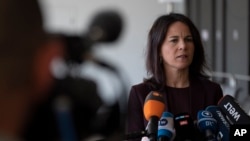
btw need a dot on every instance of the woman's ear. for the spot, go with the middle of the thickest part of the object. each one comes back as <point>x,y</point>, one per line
<point>43,78</point>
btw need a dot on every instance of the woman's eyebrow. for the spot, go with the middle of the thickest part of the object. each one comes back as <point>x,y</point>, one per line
<point>173,36</point>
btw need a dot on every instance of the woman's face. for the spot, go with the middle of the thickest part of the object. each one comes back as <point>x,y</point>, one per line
<point>178,48</point>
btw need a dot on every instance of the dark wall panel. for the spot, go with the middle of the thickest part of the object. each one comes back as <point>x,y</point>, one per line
<point>207,30</point>
<point>224,27</point>
<point>237,37</point>
<point>193,8</point>
<point>219,34</point>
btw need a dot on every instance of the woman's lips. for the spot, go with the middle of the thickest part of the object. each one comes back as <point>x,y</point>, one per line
<point>182,56</point>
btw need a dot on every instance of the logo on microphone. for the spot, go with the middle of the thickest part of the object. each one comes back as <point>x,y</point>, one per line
<point>163,122</point>
<point>206,114</point>
<point>220,115</point>
<point>156,94</point>
<point>206,120</point>
<point>232,111</point>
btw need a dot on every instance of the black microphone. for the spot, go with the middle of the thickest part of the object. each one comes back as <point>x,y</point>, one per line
<point>207,125</point>
<point>223,125</point>
<point>184,126</point>
<point>166,127</point>
<point>234,113</point>
<point>154,106</point>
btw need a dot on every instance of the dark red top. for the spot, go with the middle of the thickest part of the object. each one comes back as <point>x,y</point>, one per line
<point>198,96</point>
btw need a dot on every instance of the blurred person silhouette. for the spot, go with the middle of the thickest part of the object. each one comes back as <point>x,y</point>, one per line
<point>26,52</point>
<point>176,68</point>
<point>29,92</point>
<point>105,27</point>
<point>74,111</point>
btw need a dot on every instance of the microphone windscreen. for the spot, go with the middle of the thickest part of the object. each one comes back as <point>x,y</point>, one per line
<point>206,121</point>
<point>231,108</point>
<point>184,126</point>
<point>166,126</point>
<point>154,105</point>
<point>223,125</point>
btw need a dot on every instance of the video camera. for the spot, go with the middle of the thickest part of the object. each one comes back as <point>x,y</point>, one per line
<point>75,111</point>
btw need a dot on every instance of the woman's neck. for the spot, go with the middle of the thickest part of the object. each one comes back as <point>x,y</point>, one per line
<point>177,79</point>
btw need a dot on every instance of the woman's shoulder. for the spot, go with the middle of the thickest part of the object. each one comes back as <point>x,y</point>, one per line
<point>141,88</point>
<point>140,85</point>
<point>211,86</point>
<point>208,82</point>
<point>211,89</point>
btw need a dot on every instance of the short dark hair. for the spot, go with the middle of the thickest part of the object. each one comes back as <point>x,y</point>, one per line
<point>156,38</point>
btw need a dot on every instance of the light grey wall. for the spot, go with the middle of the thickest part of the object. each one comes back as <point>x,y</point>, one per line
<point>73,16</point>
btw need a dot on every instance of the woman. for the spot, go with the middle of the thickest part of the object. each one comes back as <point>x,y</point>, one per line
<point>176,67</point>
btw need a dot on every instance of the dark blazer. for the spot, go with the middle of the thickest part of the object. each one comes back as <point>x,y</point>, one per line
<point>203,92</point>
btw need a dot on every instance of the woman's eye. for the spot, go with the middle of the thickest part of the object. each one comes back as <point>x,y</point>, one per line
<point>174,40</point>
<point>189,39</point>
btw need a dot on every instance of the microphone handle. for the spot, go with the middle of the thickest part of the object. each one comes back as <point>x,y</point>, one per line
<point>152,128</point>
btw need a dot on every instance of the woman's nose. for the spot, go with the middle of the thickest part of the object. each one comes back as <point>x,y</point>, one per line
<point>182,45</point>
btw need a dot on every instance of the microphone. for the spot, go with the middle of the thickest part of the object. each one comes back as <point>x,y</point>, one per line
<point>166,127</point>
<point>184,127</point>
<point>234,113</point>
<point>153,108</point>
<point>207,124</point>
<point>223,125</point>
